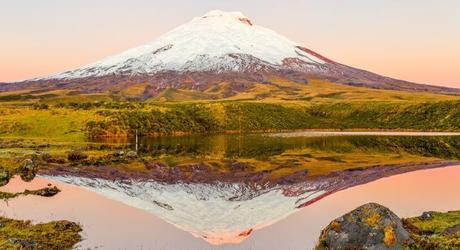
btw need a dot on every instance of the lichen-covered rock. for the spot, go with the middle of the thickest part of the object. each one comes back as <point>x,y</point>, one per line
<point>370,226</point>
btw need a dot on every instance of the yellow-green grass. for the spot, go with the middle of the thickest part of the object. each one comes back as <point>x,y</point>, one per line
<point>18,234</point>
<point>275,90</point>
<point>50,125</point>
<point>175,95</point>
<point>315,91</point>
<point>80,98</point>
<point>19,120</point>
<point>431,233</point>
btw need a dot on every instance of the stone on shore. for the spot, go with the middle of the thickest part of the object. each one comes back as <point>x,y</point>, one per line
<point>371,226</point>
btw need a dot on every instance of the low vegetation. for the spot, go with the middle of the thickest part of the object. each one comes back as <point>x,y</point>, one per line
<point>72,116</point>
<point>18,234</point>
<point>253,116</point>
<point>435,230</point>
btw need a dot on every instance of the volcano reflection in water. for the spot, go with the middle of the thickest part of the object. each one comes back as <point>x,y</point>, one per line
<point>223,190</point>
<point>222,212</point>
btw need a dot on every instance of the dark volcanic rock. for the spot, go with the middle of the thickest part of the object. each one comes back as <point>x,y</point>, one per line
<point>452,230</point>
<point>426,216</point>
<point>370,226</point>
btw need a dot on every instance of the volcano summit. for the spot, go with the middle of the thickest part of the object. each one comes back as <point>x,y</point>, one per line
<point>223,53</point>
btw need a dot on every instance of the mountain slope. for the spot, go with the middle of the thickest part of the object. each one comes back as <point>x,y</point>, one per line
<point>219,47</point>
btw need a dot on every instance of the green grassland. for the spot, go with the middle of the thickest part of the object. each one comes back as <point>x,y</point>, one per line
<point>73,116</point>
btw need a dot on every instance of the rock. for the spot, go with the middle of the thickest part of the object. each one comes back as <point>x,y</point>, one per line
<point>46,157</point>
<point>426,216</point>
<point>370,226</point>
<point>65,225</point>
<point>452,230</point>
<point>24,244</point>
<point>45,192</point>
<point>28,165</point>
<point>131,154</point>
<point>28,169</point>
<point>119,153</point>
<point>238,166</point>
<point>76,155</point>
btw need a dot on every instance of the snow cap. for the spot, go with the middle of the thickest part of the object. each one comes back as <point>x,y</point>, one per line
<point>228,15</point>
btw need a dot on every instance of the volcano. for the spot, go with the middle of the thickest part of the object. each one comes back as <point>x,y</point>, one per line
<point>224,52</point>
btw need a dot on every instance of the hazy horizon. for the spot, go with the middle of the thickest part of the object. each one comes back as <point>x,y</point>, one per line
<point>410,40</point>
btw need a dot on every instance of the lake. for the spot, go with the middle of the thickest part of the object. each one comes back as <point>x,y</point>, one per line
<point>255,191</point>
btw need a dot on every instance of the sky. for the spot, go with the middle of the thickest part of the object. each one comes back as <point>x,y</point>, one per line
<point>415,40</point>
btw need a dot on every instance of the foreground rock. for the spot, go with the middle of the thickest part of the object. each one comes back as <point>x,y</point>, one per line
<point>370,226</point>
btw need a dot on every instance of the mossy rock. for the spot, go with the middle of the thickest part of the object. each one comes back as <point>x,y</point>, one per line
<point>370,226</point>
<point>28,170</point>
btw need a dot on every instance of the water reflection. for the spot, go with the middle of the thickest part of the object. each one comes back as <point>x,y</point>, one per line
<point>223,188</point>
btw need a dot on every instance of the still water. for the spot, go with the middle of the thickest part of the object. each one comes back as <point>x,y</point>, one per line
<point>244,192</point>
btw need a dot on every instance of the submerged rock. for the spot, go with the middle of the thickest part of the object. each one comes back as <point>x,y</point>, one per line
<point>370,226</point>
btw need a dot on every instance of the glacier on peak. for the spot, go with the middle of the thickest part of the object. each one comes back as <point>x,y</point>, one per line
<point>217,36</point>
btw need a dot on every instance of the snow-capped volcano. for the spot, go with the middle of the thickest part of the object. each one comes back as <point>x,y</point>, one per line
<point>218,42</point>
<point>220,54</point>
